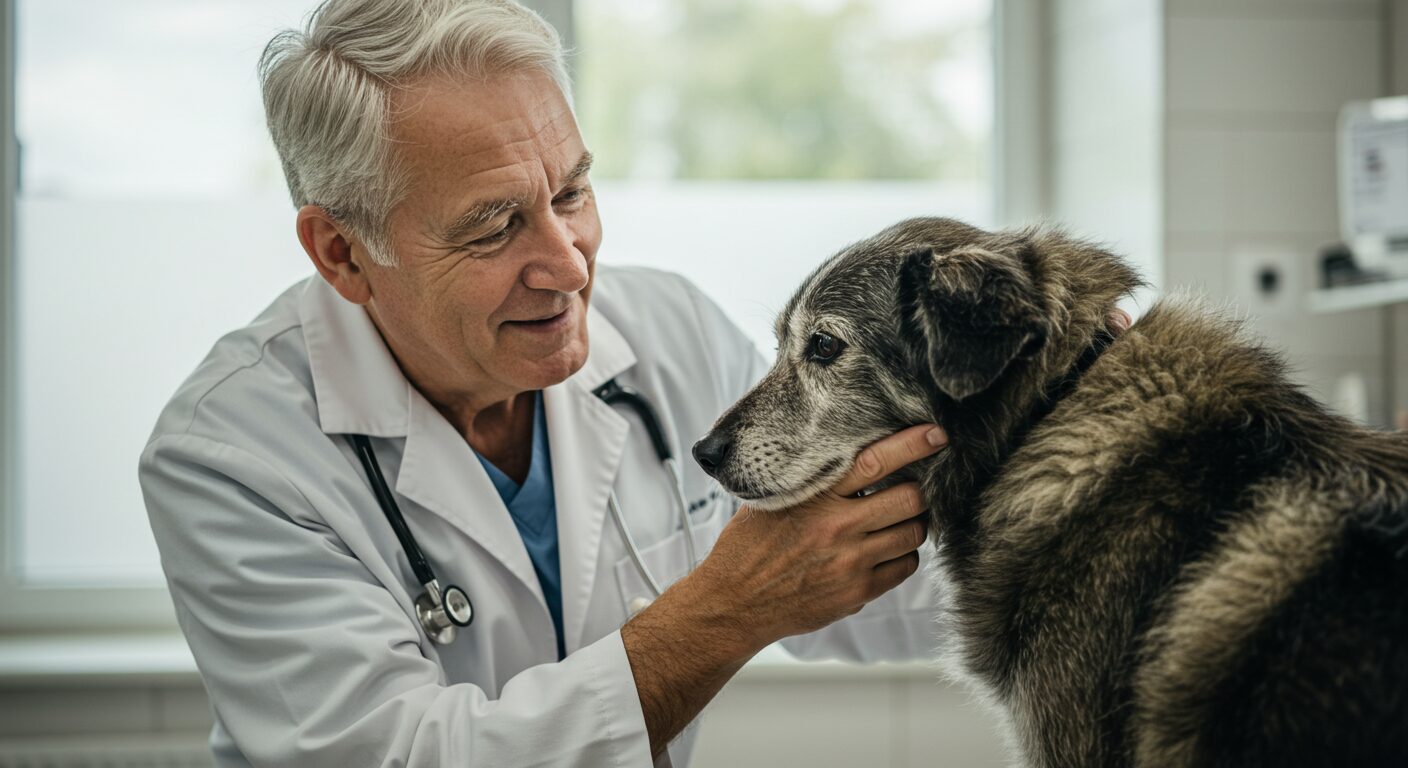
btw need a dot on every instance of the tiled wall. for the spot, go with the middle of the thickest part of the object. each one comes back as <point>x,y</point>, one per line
<point>1253,88</point>
<point>1198,138</point>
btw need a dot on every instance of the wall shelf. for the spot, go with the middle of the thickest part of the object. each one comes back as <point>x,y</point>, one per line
<point>1348,297</point>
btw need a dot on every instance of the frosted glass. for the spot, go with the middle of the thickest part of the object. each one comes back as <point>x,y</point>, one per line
<point>145,98</point>
<point>152,217</point>
<point>118,302</point>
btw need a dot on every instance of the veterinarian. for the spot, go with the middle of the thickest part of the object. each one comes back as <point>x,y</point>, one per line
<point>452,343</point>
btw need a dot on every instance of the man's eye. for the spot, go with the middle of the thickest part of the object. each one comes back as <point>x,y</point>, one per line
<point>489,240</point>
<point>823,347</point>
<point>571,196</point>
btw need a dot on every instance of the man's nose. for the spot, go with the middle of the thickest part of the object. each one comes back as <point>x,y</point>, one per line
<point>559,265</point>
<point>712,452</point>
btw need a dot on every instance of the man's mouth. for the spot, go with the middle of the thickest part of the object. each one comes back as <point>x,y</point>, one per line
<point>546,322</point>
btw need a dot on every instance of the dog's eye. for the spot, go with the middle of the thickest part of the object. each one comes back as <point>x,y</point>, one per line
<point>824,347</point>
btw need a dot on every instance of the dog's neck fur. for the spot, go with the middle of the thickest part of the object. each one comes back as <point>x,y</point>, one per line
<point>987,429</point>
<point>1081,285</point>
<point>1062,387</point>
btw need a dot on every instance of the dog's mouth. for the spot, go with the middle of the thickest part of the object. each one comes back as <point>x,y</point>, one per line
<point>769,499</point>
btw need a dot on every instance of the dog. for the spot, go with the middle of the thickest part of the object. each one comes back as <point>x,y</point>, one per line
<point>1155,549</point>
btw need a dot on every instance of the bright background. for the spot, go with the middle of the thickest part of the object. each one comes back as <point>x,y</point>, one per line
<point>738,143</point>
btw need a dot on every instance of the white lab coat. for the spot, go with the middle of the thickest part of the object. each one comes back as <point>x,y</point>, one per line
<point>296,598</point>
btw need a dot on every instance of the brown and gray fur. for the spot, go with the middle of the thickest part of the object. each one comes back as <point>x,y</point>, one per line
<point>1176,558</point>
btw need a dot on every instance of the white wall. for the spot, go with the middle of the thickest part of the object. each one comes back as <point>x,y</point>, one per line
<point>1196,137</point>
<point>1253,90</point>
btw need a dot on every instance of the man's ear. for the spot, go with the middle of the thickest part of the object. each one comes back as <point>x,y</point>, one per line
<point>330,247</point>
<point>971,312</point>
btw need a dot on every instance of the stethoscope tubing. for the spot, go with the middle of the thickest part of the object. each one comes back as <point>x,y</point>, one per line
<point>631,548</point>
<point>683,504</point>
<point>431,604</point>
<point>419,564</point>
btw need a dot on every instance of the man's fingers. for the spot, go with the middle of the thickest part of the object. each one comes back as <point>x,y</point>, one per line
<point>889,507</point>
<point>889,454</point>
<point>891,573</point>
<point>895,541</point>
<point>1119,321</point>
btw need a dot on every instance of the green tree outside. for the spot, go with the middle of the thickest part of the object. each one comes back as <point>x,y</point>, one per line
<point>743,89</point>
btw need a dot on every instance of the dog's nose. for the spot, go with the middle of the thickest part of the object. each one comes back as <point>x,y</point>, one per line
<point>711,452</point>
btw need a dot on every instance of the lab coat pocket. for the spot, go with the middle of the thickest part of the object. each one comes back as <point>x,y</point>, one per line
<point>668,559</point>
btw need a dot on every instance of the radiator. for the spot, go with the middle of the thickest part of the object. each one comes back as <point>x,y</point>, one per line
<point>115,752</point>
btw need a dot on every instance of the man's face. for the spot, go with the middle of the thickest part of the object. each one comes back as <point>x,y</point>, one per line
<point>496,240</point>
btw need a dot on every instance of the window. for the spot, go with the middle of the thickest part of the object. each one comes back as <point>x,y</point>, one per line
<point>737,142</point>
<point>752,138</point>
<point>151,217</point>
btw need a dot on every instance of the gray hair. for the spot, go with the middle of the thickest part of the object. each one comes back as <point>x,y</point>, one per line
<point>327,92</point>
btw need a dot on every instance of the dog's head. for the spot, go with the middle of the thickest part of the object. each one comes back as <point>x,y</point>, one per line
<point>931,320</point>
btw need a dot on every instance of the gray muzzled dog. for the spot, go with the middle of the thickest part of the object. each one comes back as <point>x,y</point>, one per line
<point>1157,550</point>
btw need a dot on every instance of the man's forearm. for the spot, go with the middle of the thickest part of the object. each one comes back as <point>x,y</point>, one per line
<point>682,650</point>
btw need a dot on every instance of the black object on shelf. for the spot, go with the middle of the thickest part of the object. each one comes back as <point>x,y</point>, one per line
<point>1338,268</point>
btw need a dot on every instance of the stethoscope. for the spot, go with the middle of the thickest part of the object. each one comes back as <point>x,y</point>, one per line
<point>442,610</point>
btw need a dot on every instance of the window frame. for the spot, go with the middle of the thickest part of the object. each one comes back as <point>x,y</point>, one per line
<point>1017,185</point>
<point>1021,110</point>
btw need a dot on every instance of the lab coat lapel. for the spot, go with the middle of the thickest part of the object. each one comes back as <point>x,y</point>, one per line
<point>440,472</point>
<point>586,438</point>
<point>360,390</point>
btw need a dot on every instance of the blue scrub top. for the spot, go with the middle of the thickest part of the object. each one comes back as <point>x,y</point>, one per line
<point>534,510</point>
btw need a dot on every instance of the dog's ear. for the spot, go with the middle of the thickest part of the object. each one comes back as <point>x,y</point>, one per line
<point>971,312</point>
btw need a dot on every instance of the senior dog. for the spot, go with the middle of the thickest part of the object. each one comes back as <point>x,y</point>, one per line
<point>1157,551</point>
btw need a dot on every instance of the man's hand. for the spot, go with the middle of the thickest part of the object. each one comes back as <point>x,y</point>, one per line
<point>794,571</point>
<point>776,574</point>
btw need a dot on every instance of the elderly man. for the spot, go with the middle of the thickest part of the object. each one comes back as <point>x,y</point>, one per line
<point>452,344</point>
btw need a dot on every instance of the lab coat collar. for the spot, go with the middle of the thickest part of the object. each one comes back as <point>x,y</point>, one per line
<point>359,386</point>
<point>357,383</point>
<point>360,389</point>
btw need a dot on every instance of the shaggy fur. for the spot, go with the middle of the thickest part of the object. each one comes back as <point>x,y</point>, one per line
<point>1173,557</point>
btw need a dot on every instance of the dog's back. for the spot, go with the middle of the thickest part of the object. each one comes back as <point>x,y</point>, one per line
<point>1190,562</point>
<point>1162,555</point>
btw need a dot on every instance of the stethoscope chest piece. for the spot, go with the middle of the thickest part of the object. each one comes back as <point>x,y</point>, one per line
<point>440,614</point>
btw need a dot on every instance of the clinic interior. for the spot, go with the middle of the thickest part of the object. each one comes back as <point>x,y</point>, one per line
<point>1205,140</point>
